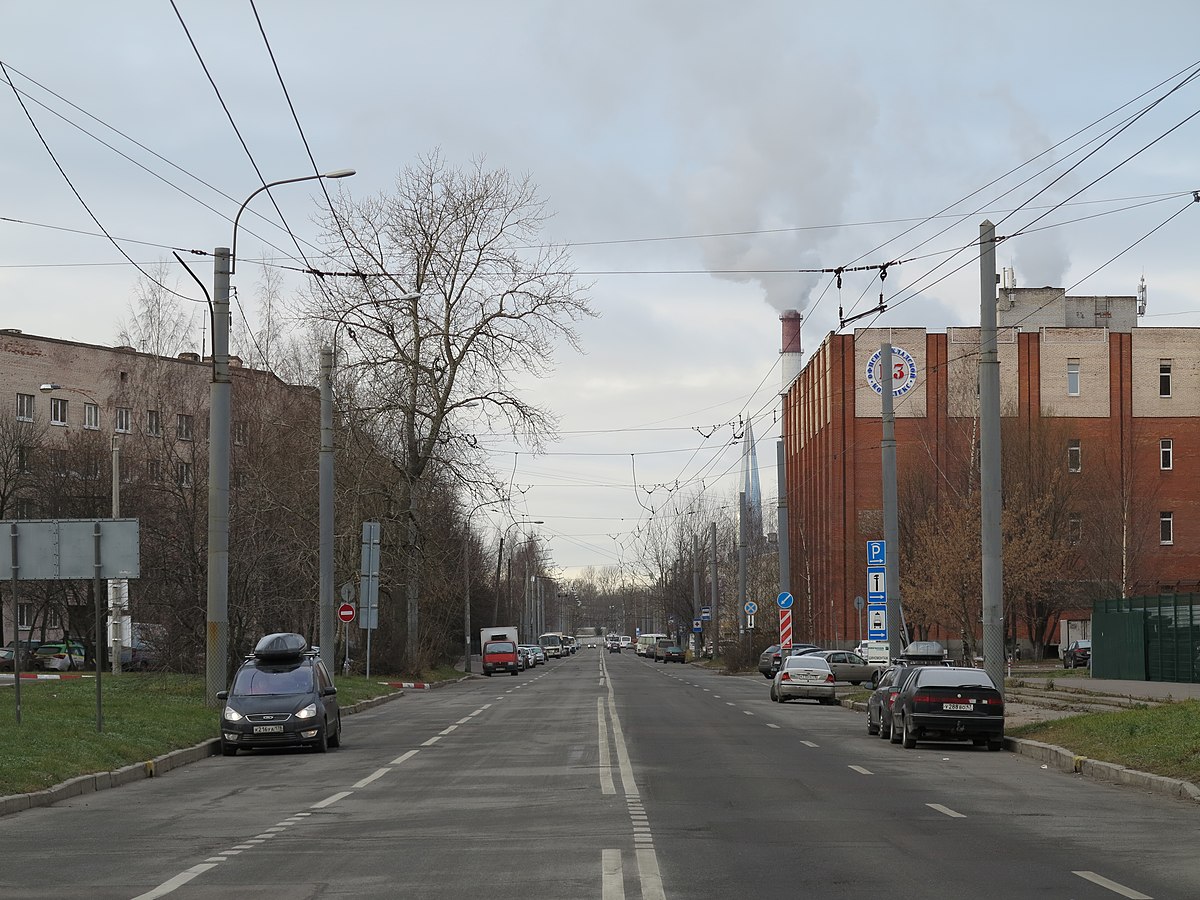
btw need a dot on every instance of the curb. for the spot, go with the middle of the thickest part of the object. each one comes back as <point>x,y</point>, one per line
<point>1065,760</point>
<point>160,765</point>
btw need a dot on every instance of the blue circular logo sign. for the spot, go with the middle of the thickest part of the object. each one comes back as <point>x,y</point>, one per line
<point>903,372</point>
<point>785,600</point>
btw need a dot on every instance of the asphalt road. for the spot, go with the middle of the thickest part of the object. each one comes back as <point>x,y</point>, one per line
<point>608,776</point>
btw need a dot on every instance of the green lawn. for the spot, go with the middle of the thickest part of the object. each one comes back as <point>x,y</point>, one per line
<point>145,715</point>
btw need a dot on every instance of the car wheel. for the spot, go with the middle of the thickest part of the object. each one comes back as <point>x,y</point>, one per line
<point>228,749</point>
<point>514,672</point>
<point>767,675</point>
<point>978,742</point>
<point>488,674</point>
<point>856,682</point>
<point>322,744</point>
<point>997,744</point>
<point>885,730</point>
<point>335,739</point>
<point>872,728</point>
<point>908,740</point>
<point>1065,666</point>
<point>774,696</point>
<point>875,680</point>
<point>894,733</point>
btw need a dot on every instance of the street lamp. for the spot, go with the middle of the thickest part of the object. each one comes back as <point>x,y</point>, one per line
<point>217,647</point>
<point>467,582</point>
<point>499,557</point>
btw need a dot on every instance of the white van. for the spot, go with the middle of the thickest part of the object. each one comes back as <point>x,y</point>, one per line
<point>645,643</point>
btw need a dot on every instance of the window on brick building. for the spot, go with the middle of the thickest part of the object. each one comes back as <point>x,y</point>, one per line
<point>123,419</point>
<point>1074,455</point>
<point>91,416</point>
<point>1074,528</point>
<point>26,508</point>
<point>1164,378</point>
<point>1072,378</point>
<point>241,434</point>
<point>58,411</point>
<point>154,470</point>
<point>183,474</point>
<point>153,423</point>
<point>1166,528</point>
<point>25,407</point>
<point>1165,452</point>
<point>183,427</point>
<point>24,459</point>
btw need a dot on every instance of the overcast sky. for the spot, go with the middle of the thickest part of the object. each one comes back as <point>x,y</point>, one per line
<point>695,154</point>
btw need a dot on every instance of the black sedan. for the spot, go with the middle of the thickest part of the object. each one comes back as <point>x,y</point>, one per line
<point>1079,653</point>
<point>944,703</point>
<point>674,653</point>
<point>768,662</point>
<point>883,698</point>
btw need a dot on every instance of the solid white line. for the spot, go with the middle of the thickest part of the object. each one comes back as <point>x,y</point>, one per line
<point>407,756</point>
<point>861,771</point>
<point>772,725</point>
<point>378,773</point>
<point>1113,886</point>
<point>649,875</point>
<point>945,810</point>
<point>329,801</point>
<point>448,730</point>
<point>606,780</point>
<point>432,741</point>
<point>177,882</point>
<point>612,876</point>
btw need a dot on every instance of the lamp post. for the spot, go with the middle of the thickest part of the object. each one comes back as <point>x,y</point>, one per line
<point>467,583</point>
<point>499,557</point>
<point>217,644</point>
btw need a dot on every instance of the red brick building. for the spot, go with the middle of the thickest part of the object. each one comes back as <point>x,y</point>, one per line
<point>1122,403</point>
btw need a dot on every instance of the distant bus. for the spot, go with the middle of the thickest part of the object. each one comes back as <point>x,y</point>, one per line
<point>552,644</point>
<point>645,643</point>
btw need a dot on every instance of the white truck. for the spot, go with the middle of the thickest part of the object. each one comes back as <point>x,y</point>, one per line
<point>497,633</point>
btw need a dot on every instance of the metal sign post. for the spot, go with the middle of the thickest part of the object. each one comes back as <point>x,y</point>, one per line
<point>368,593</point>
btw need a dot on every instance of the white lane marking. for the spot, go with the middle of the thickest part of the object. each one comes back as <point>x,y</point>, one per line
<point>264,836</point>
<point>612,876</point>
<point>230,852</point>
<point>448,730</point>
<point>240,847</point>
<point>215,859</point>
<point>1113,886</point>
<point>177,882</point>
<point>707,691</point>
<point>329,801</point>
<point>946,811</point>
<point>464,720</point>
<point>378,773</point>
<point>651,879</point>
<point>716,696</point>
<point>627,782</point>
<point>772,725</point>
<point>433,740</point>
<point>606,780</point>
<point>861,771</point>
<point>730,703</point>
<point>403,758</point>
<point>747,712</point>
<point>485,706</point>
<point>808,743</point>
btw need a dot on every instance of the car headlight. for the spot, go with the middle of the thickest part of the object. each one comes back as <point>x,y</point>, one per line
<point>232,715</point>
<point>308,712</point>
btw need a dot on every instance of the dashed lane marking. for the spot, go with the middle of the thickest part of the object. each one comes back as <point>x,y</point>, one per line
<point>377,774</point>
<point>329,801</point>
<point>945,810</point>
<point>772,725</point>
<point>1113,886</point>
<point>405,757</point>
<point>861,771</point>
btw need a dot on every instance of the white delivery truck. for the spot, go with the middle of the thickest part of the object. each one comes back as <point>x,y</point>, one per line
<point>497,633</point>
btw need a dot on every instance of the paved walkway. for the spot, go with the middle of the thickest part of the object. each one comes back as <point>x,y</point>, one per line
<point>1109,687</point>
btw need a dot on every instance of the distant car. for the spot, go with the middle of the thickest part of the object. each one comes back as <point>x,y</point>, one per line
<point>531,655</point>
<point>806,677</point>
<point>8,651</point>
<point>674,653</point>
<point>614,646</point>
<point>658,651</point>
<point>1079,653</point>
<point>281,696</point>
<point>625,640</point>
<point>768,662</point>
<point>523,659</point>
<point>850,667</point>
<point>883,698</point>
<point>949,703</point>
<point>59,656</point>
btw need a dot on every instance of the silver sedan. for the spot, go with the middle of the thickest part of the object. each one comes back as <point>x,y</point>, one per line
<point>851,667</point>
<point>806,677</point>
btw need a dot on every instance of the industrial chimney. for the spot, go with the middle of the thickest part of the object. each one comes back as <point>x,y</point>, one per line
<point>791,355</point>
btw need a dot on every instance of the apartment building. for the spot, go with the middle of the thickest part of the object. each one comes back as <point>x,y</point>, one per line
<point>1121,403</point>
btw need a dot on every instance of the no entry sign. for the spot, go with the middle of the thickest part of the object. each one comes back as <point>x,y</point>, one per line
<point>346,612</point>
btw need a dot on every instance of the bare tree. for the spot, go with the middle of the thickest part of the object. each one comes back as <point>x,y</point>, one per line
<point>456,299</point>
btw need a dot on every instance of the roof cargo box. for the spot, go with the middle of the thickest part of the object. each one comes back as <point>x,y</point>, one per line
<point>281,646</point>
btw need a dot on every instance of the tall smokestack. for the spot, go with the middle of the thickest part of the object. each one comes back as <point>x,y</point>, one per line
<point>791,355</point>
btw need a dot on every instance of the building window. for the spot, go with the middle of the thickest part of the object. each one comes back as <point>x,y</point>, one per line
<point>91,416</point>
<point>58,411</point>
<point>1164,378</point>
<point>24,617</point>
<point>183,474</point>
<point>241,434</point>
<point>25,407</point>
<point>1074,528</point>
<point>1166,528</point>
<point>58,461</point>
<point>1074,455</point>
<point>25,508</point>
<point>1164,453</point>
<point>1072,378</point>
<point>154,470</point>
<point>124,416</point>
<point>153,423</point>
<point>183,427</point>
<point>25,459</point>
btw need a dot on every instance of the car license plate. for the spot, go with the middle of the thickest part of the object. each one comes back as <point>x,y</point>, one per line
<point>963,707</point>
<point>268,729</point>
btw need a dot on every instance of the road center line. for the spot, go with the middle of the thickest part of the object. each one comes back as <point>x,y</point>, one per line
<point>329,801</point>
<point>945,810</point>
<point>606,780</point>
<point>808,744</point>
<point>1113,886</point>
<point>433,740</point>
<point>772,725</point>
<point>464,720</point>
<point>378,773</point>
<point>448,730</point>
<point>405,757</point>
<point>177,882</point>
<point>861,771</point>
<point>612,876</point>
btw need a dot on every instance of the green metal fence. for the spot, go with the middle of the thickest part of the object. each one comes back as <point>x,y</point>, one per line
<point>1147,638</point>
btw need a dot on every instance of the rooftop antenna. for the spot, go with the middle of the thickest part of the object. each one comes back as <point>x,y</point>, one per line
<point>1141,295</point>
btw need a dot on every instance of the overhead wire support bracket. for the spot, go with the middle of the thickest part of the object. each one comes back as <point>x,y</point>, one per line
<point>882,307</point>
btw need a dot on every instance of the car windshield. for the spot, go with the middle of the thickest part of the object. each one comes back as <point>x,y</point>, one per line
<point>1083,645</point>
<point>806,662</point>
<point>254,680</point>
<point>500,647</point>
<point>938,676</point>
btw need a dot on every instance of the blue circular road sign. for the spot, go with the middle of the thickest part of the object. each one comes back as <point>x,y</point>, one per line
<point>751,607</point>
<point>785,600</point>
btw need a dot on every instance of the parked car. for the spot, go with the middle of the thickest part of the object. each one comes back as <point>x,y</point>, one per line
<point>948,703</point>
<point>1079,653</point>
<point>768,662</point>
<point>500,656</point>
<point>530,653</point>
<point>674,653</point>
<point>850,667</point>
<point>59,656</point>
<point>282,696</point>
<point>8,651</point>
<point>658,651</point>
<point>807,677</point>
<point>883,698</point>
<point>626,641</point>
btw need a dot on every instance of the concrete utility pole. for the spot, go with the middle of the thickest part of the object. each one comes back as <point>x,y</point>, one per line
<point>742,561</point>
<point>697,639</point>
<point>716,612</point>
<point>891,516</point>
<point>217,641</point>
<point>328,623</point>
<point>989,461</point>
<point>116,609</point>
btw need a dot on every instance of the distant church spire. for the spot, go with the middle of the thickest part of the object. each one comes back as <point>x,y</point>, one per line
<point>749,483</point>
